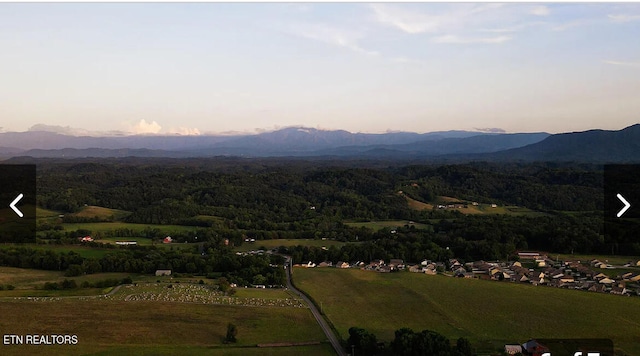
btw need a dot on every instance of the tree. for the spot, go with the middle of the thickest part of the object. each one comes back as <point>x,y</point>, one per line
<point>232,331</point>
<point>463,347</point>
<point>364,342</point>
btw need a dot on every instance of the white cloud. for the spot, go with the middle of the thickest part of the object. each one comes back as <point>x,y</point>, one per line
<point>465,40</point>
<point>624,18</point>
<point>621,63</point>
<point>515,28</point>
<point>333,35</point>
<point>143,127</point>
<point>183,131</point>
<point>72,131</point>
<point>414,22</point>
<point>540,11</point>
<point>408,21</point>
<point>490,129</point>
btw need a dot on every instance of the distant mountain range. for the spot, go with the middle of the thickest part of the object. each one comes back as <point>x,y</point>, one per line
<point>589,146</point>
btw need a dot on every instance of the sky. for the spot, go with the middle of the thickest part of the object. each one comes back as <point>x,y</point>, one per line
<point>212,68</point>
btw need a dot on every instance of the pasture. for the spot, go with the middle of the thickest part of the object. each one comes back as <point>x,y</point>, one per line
<point>488,313</point>
<point>152,319</point>
<point>100,213</point>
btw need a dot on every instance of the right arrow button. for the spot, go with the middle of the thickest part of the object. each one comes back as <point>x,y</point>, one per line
<point>626,205</point>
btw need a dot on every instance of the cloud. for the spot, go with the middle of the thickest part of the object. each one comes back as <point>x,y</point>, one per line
<point>515,28</point>
<point>415,22</point>
<point>490,129</point>
<point>144,128</point>
<point>73,131</point>
<point>408,21</point>
<point>333,35</point>
<point>572,24</point>
<point>540,11</point>
<point>621,63</point>
<point>183,131</point>
<point>623,18</point>
<point>466,40</point>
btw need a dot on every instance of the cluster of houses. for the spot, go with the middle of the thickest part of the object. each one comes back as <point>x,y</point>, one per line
<point>561,274</point>
<point>533,268</point>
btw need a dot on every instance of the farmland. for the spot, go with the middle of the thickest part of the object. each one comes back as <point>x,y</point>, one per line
<point>489,314</point>
<point>111,327</point>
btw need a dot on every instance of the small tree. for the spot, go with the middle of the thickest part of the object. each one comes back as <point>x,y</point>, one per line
<point>232,331</point>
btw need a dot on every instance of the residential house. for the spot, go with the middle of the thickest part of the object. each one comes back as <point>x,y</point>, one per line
<point>513,349</point>
<point>167,240</point>
<point>163,272</point>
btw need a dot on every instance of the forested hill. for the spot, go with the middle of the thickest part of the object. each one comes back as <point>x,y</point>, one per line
<point>597,146</point>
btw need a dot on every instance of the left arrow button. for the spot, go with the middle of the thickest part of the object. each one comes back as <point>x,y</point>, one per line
<point>13,205</point>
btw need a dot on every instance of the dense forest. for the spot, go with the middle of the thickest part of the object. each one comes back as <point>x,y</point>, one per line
<point>236,198</point>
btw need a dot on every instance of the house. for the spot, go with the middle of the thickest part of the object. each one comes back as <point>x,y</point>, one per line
<point>597,288</point>
<point>432,272</point>
<point>167,240</point>
<point>606,281</point>
<point>534,348</point>
<point>529,255</point>
<point>619,290</point>
<point>163,272</point>
<point>311,264</point>
<point>512,349</point>
<point>396,263</point>
<point>325,264</point>
<point>87,239</point>
<point>342,264</point>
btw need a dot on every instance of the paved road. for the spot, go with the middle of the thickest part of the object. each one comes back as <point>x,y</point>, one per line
<point>323,324</point>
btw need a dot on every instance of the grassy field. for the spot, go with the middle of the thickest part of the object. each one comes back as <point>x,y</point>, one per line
<point>610,259</point>
<point>100,212</point>
<point>418,205</point>
<point>270,244</point>
<point>120,327</point>
<point>29,282</point>
<point>488,313</point>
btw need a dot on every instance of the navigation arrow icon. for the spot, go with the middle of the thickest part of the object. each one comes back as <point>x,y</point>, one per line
<point>18,198</point>
<point>626,205</point>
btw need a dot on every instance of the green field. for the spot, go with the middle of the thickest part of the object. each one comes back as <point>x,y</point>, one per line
<point>116,327</point>
<point>100,212</point>
<point>29,282</point>
<point>610,259</point>
<point>488,313</point>
<point>271,244</point>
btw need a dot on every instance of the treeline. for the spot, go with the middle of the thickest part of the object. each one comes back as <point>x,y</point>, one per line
<point>168,194</point>
<point>72,284</point>
<point>472,238</point>
<point>213,261</point>
<point>407,343</point>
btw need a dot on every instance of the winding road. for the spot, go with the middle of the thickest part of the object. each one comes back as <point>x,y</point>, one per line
<point>323,324</point>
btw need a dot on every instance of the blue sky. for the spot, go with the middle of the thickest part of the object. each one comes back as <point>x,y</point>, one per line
<point>216,67</point>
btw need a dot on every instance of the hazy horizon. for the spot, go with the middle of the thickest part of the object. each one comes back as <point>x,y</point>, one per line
<point>216,68</point>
